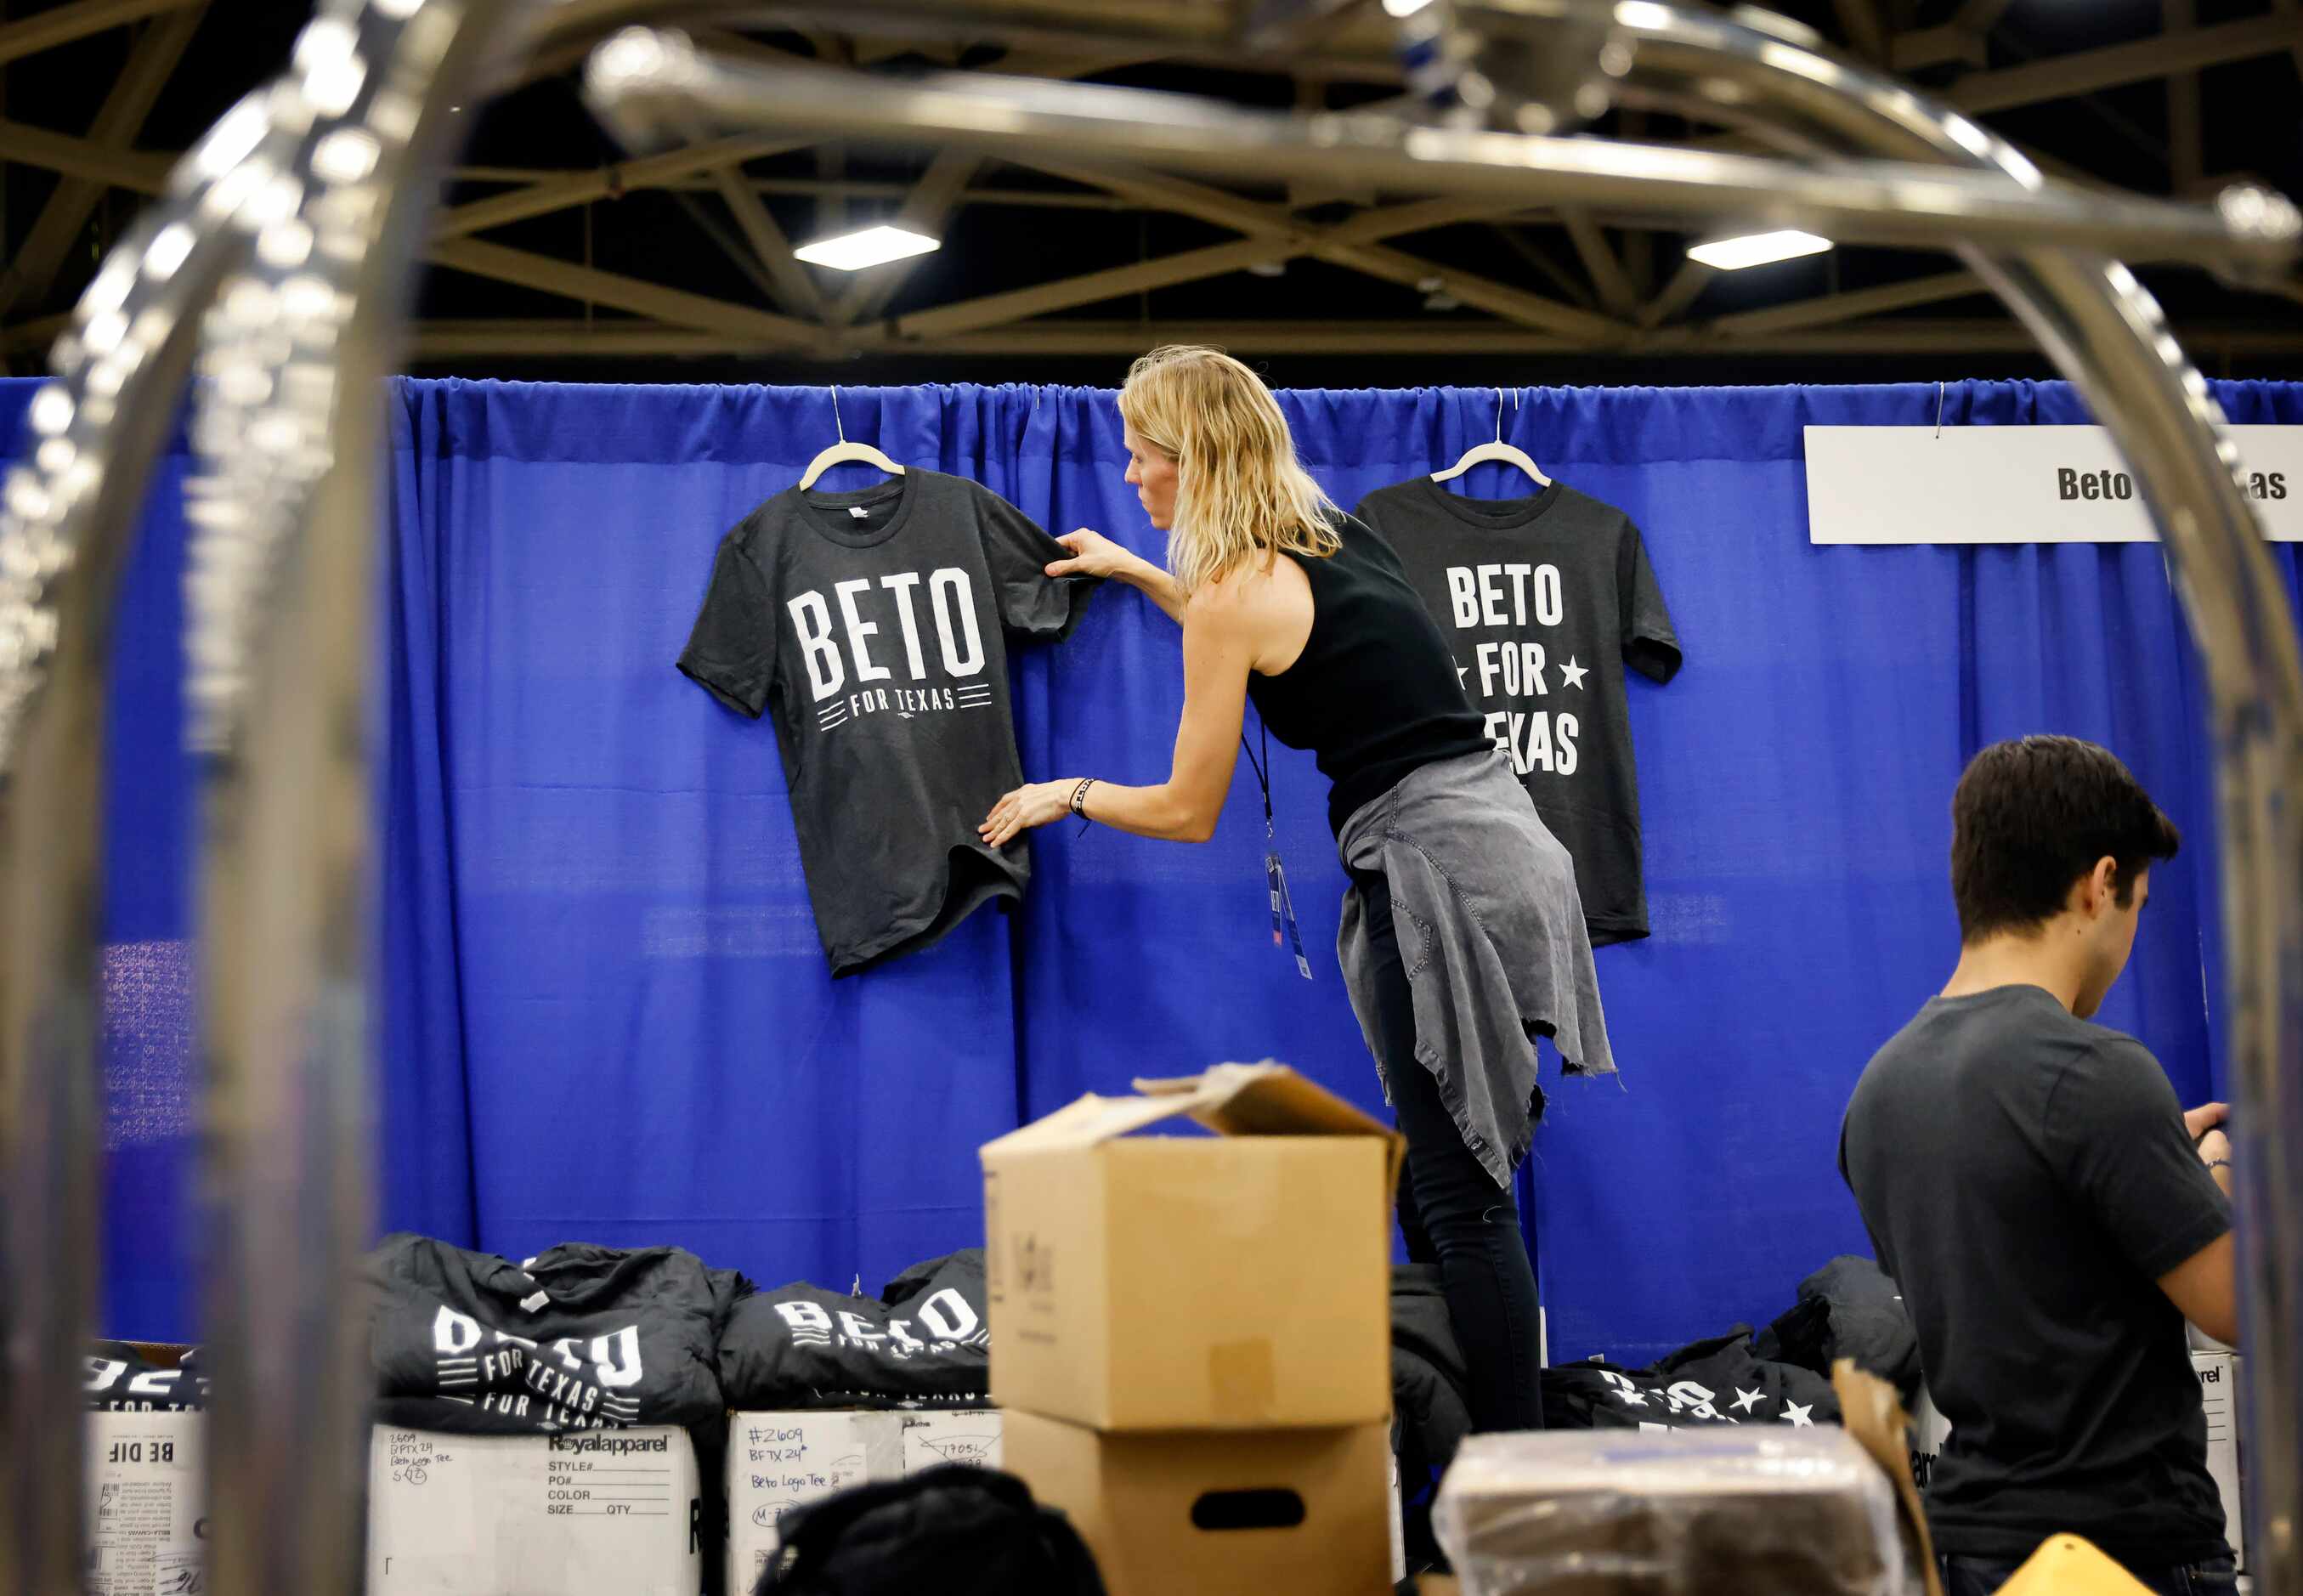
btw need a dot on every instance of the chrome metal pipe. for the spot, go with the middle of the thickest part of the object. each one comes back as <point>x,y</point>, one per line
<point>66,518</point>
<point>290,425</point>
<point>2099,324</point>
<point>342,163</point>
<point>651,86</point>
<point>2105,332</point>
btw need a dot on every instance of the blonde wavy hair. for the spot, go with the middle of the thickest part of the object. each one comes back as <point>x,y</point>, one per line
<point>1240,491</point>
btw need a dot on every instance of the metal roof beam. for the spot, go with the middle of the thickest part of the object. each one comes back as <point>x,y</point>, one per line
<point>74,199</point>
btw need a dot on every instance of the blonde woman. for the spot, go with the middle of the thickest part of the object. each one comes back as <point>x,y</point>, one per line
<point>1463,938</point>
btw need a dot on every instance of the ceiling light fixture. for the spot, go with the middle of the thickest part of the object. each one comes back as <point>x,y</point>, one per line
<point>1756,248</point>
<point>1405,8</point>
<point>871,247</point>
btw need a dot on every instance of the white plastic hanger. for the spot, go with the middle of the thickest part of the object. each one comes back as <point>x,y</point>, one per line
<point>844,454</point>
<point>1497,453</point>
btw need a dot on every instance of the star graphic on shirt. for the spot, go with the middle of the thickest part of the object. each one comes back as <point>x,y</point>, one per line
<point>1572,674</point>
<point>1460,671</point>
<point>1798,1416</point>
<point>1745,1401</point>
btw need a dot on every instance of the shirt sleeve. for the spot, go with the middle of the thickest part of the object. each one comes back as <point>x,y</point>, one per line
<point>1019,551</point>
<point>1650,645</point>
<point>2113,1122</point>
<point>731,649</point>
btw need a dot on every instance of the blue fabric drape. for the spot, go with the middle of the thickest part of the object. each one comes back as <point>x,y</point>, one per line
<point>146,971</point>
<point>606,1013</point>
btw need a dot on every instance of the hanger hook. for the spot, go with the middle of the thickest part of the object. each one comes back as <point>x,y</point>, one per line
<point>836,424</point>
<point>1500,414</point>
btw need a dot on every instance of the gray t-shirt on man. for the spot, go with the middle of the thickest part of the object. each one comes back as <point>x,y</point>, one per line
<point>874,623</point>
<point>2026,1178</point>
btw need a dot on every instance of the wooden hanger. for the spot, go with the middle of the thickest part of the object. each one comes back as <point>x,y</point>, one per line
<point>844,454</point>
<point>1496,453</point>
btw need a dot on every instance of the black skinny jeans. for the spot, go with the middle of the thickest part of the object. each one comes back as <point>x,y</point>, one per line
<point>1452,1212</point>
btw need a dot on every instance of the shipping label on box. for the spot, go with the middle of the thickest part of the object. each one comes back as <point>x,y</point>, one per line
<point>600,1513</point>
<point>1172,1282</point>
<point>932,1439</point>
<point>2218,1373</point>
<point>779,1462</point>
<point>146,1529</point>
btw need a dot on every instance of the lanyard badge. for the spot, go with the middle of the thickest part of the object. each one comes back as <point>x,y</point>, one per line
<point>1275,875</point>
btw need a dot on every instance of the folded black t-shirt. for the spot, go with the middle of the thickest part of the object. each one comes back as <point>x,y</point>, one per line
<point>579,1338</point>
<point>923,1343</point>
<point>119,1378</point>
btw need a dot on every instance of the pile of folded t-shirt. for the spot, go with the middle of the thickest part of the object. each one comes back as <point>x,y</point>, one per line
<point>922,1343</point>
<point>577,1338</point>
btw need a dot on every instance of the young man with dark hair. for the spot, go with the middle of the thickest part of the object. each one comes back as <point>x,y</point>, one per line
<point>2050,1213</point>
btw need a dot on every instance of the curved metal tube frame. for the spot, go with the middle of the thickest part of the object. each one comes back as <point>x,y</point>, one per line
<point>284,250</point>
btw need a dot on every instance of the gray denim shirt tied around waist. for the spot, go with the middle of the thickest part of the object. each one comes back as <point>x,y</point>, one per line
<point>1492,936</point>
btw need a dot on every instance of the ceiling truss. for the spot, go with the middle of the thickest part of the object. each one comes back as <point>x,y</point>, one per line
<point>1622,300</point>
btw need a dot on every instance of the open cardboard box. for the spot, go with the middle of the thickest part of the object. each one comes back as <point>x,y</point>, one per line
<point>1237,1281</point>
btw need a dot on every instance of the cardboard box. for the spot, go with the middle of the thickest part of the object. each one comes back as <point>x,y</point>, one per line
<point>1930,1431</point>
<point>778,1462</point>
<point>1756,1510</point>
<point>146,1496</point>
<point>1219,1513</point>
<point>2218,1373</point>
<point>1240,1281</point>
<point>590,1513</point>
<point>2219,1376</point>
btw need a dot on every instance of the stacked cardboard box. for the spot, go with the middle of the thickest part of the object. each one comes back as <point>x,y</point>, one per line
<point>146,1485</point>
<point>146,1493</point>
<point>780,1462</point>
<point>2219,1376</point>
<point>1191,1336</point>
<point>591,1513</point>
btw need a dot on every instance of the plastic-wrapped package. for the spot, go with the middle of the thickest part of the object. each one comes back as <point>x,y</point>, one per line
<point>1748,1511</point>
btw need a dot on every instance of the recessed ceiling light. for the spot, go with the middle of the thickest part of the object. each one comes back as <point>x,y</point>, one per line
<point>1405,8</point>
<point>873,246</point>
<point>1756,248</point>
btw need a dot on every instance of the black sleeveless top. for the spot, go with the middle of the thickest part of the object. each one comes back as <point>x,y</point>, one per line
<point>1375,693</point>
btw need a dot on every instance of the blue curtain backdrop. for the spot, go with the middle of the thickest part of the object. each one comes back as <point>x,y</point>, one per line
<point>607,1016</point>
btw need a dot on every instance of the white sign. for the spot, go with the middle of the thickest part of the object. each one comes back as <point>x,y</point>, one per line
<point>1896,485</point>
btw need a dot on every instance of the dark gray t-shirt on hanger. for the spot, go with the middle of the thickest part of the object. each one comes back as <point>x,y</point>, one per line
<point>2026,1178</point>
<point>1545,600</point>
<point>874,623</point>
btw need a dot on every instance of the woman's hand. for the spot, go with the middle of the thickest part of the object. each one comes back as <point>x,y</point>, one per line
<point>1093,555</point>
<point>2204,1118</point>
<point>1025,807</point>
